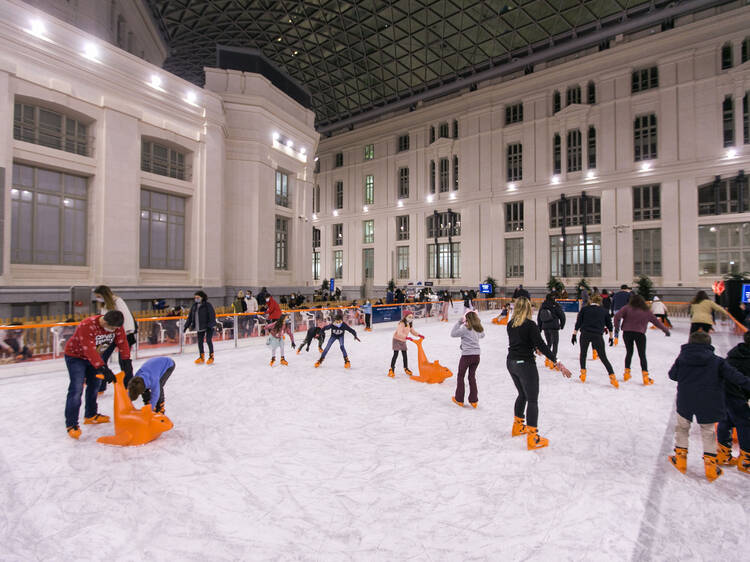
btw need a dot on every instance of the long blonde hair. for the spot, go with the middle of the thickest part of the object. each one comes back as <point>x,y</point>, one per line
<point>473,322</point>
<point>521,312</point>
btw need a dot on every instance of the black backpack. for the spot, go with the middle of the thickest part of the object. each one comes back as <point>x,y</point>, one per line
<point>545,315</point>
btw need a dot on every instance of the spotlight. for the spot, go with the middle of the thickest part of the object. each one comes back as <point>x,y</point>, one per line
<point>645,166</point>
<point>590,175</point>
<point>555,179</point>
<point>155,81</point>
<point>37,28</point>
<point>191,97</point>
<point>91,51</point>
<point>732,153</point>
<point>289,143</point>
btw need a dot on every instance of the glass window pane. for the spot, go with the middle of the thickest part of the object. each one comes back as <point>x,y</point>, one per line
<point>75,185</point>
<point>48,180</point>
<point>23,176</point>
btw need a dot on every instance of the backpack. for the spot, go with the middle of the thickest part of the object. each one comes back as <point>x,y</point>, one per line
<point>545,315</point>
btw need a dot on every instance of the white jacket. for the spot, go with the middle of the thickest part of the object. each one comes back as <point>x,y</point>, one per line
<point>252,304</point>
<point>657,307</point>
<point>128,322</point>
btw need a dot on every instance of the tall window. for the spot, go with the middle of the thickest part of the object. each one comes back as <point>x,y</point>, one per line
<point>745,50</point>
<point>591,140</point>
<point>591,93</point>
<point>369,151</point>
<point>724,196</point>
<point>727,115</point>
<point>316,265</point>
<point>514,257</point>
<point>444,260</point>
<point>745,119</point>
<point>571,255</point>
<point>644,137</point>
<point>644,79</point>
<point>443,224</point>
<point>368,232</point>
<point>646,202</point>
<point>339,159</point>
<point>515,162</point>
<point>402,261</point>
<point>338,234</point>
<point>443,131</point>
<point>573,95</point>
<point>338,264</point>
<point>282,189</point>
<point>403,143</point>
<point>317,165</point>
<point>443,175</point>
<point>432,135</point>
<point>647,252</point>
<point>338,196</point>
<point>369,189</point>
<point>316,199</point>
<point>402,227</point>
<point>575,151</point>
<point>723,248</point>
<point>514,216</point>
<point>48,128</point>
<point>556,103</point>
<point>163,160</point>
<point>48,217</point>
<point>726,56</point>
<point>455,129</point>
<point>556,154</point>
<point>282,241</point>
<point>162,230</point>
<point>455,173</point>
<point>514,113</point>
<point>432,176</point>
<point>316,237</point>
<point>403,183</point>
<point>575,211</point>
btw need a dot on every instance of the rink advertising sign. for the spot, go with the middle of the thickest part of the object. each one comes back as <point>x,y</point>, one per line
<point>746,293</point>
<point>485,288</point>
<point>568,305</point>
<point>386,314</point>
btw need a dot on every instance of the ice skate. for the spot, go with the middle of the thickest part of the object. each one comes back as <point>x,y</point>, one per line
<point>519,427</point>
<point>724,456</point>
<point>284,362</point>
<point>613,380</point>
<point>626,376</point>
<point>533,440</point>
<point>646,379</point>
<point>594,355</point>
<point>474,404</point>
<point>318,362</point>
<point>347,364</point>
<point>549,364</point>
<point>407,371</point>
<point>299,350</point>
<point>199,361</point>
<point>743,462</point>
<point>456,402</point>
<point>74,432</point>
<point>96,419</point>
<point>210,359</point>
<point>583,375</point>
<point>712,468</point>
<point>391,373</point>
<point>273,360</point>
<point>679,459</point>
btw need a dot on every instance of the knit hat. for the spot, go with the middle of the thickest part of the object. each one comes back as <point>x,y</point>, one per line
<point>656,298</point>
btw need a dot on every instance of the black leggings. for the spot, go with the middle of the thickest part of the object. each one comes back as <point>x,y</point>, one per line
<point>695,326</point>
<point>526,378</point>
<point>553,338</point>
<point>640,341</point>
<point>597,342</point>
<point>395,356</point>
<point>208,334</point>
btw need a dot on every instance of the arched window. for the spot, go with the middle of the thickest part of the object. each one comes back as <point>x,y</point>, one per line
<point>591,93</point>
<point>573,95</point>
<point>556,154</point>
<point>556,102</point>
<point>727,58</point>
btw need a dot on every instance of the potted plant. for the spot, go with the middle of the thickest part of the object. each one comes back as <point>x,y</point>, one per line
<point>645,287</point>
<point>492,282</point>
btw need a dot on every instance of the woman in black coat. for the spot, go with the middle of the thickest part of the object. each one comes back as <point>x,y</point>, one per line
<point>202,317</point>
<point>551,319</point>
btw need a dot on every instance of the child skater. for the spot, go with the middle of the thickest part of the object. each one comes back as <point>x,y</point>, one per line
<point>338,327</point>
<point>315,332</point>
<point>523,340</point>
<point>149,382</point>
<point>470,330</point>
<point>367,310</point>
<point>447,301</point>
<point>700,376</point>
<point>276,338</point>
<point>659,309</point>
<point>403,329</point>
<point>502,318</point>
<point>737,411</point>
<point>592,321</point>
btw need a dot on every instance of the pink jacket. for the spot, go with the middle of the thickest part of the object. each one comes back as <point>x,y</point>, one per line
<point>636,320</point>
<point>403,331</point>
<point>286,329</point>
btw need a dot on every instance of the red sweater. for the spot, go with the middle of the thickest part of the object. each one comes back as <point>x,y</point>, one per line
<point>272,309</point>
<point>90,339</point>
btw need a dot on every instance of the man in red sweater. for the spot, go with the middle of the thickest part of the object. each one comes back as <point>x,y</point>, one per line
<point>273,310</point>
<point>82,357</point>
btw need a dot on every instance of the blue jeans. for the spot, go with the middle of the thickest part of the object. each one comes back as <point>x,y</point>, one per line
<point>330,343</point>
<point>80,370</point>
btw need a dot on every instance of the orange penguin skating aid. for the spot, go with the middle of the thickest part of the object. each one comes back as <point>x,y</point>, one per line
<point>429,372</point>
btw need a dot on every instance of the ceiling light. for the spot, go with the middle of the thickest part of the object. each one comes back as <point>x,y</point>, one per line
<point>555,179</point>
<point>562,239</point>
<point>91,51</point>
<point>278,39</point>
<point>289,143</point>
<point>712,229</point>
<point>732,153</point>
<point>316,158</point>
<point>645,166</point>
<point>155,81</point>
<point>295,52</point>
<point>37,28</point>
<point>591,174</point>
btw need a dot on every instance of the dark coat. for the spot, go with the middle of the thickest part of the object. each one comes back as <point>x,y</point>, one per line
<point>739,358</point>
<point>620,299</point>
<point>558,316</point>
<point>593,319</point>
<point>206,316</point>
<point>700,376</point>
<point>521,293</point>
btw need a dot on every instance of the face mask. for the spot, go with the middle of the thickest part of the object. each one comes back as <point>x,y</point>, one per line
<point>197,299</point>
<point>98,299</point>
<point>337,324</point>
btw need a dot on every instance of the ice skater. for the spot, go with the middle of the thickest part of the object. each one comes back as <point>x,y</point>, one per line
<point>404,327</point>
<point>523,340</point>
<point>470,330</point>
<point>338,327</point>
<point>737,414</point>
<point>148,382</point>
<point>110,301</point>
<point>660,311</point>
<point>367,311</point>
<point>276,333</point>
<point>447,302</point>
<point>634,318</point>
<point>502,318</point>
<point>701,309</point>
<point>592,321</point>
<point>551,320</point>
<point>700,376</point>
<point>202,317</point>
<point>315,332</point>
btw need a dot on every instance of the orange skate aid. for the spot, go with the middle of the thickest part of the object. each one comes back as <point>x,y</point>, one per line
<point>132,426</point>
<point>429,372</point>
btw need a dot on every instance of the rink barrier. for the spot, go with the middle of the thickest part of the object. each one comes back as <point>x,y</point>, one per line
<point>161,334</point>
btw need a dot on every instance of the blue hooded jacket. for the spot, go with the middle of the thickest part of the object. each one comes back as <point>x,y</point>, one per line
<point>151,372</point>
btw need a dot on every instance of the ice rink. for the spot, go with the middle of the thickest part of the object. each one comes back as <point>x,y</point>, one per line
<point>297,463</point>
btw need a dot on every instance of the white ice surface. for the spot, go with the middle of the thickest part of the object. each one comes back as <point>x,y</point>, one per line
<point>297,463</point>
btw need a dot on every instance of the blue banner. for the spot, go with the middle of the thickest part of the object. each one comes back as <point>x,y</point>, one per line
<point>570,305</point>
<point>332,286</point>
<point>386,314</point>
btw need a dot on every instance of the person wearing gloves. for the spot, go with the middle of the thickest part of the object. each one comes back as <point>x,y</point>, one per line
<point>551,320</point>
<point>593,321</point>
<point>149,382</point>
<point>659,309</point>
<point>523,340</point>
<point>338,328</point>
<point>470,330</point>
<point>85,365</point>
<point>701,309</point>
<point>276,333</point>
<point>110,301</point>
<point>398,343</point>
<point>634,318</point>
<point>202,317</point>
